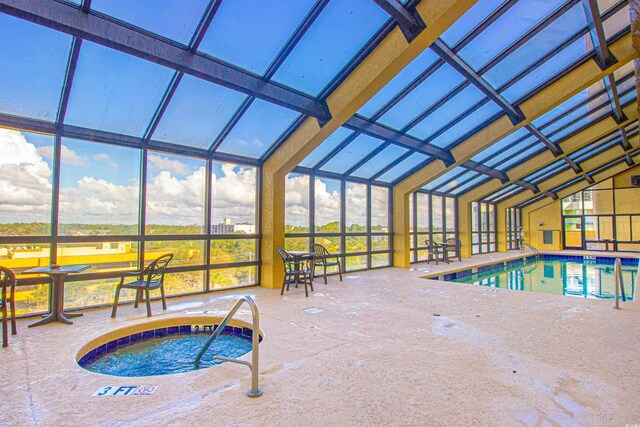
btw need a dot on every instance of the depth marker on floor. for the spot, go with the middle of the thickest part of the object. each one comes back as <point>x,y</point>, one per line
<point>126,390</point>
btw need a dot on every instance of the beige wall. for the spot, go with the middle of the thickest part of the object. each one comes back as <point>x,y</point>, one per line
<point>546,218</point>
<point>627,200</point>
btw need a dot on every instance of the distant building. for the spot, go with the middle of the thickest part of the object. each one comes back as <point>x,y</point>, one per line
<point>226,227</point>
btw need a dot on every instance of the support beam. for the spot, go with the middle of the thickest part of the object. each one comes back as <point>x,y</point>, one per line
<point>485,170</point>
<point>375,130</point>
<point>103,31</point>
<point>589,179</point>
<point>445,53</point>
<point>594,133</point>
<point>604,58</point>
<point>392,54</point>
<point>624,139</point>
<point>204,24</point>
<point>576,168</point>
<point>552,146</point>
<point>527,185</point>
<point>614,99</point>
<point>551,195</point>
<point>410,23</point>
<point>72,64</point>
<point>628,160</point>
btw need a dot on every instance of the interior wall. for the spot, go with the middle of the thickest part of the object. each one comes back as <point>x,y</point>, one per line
<point>546,218</point>
<point>549,217</point>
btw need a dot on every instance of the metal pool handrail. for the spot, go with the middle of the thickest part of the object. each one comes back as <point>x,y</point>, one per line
<point>524,245</point>
<point>255,342</point>
<point>619,283</point>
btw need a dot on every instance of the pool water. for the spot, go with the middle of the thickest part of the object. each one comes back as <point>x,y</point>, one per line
<point>168,355</point>
<point>579,278</point>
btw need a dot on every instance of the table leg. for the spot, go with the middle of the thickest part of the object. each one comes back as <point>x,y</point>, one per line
<point>57,305</point>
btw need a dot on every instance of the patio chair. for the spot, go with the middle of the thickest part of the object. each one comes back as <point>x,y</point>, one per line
<point>454,246</point>
<point>8,284</point>
<point>323,258</point>
<point>434,251</point>
<point>147,279</point>
<point>295,269</point>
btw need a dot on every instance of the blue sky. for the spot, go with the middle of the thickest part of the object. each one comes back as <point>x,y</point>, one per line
<point>118,93</point>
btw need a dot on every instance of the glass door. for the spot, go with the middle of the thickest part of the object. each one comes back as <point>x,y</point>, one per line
<point>573,233</point>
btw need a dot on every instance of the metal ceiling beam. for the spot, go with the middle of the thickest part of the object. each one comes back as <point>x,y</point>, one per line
<point>410,23</point>
<point>443,51</point>
<point>68,81</point>
<point>551,194</point>
<point>101,30</point>
<point>204,24</point>
<point>527,185</point>
<point>576,168</point>
<point>164,103</point>
<point>552,146</point>
<point>604,58</point>
<point>375,130</point>
<point>589,179</point>
<point>391,165</point>
<point>366,158</point>
<point>628,160</point>
<point>485,170</point>
<point>614,99</point>
<point>85,6</point>
<point>624,142</point>
<point>295,38</point>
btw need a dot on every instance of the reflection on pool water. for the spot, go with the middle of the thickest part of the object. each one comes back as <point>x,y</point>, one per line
<point>586,278</point>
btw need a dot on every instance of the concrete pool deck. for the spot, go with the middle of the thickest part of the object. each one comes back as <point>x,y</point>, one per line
<point>387,348</point>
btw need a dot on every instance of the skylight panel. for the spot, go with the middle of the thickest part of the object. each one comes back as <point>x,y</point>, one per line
<point>251,33</point>
<point>33,68</point>
<point>257,130</point>
<point>115,92</point>
<point>173,19</point>
<point>341,30</point>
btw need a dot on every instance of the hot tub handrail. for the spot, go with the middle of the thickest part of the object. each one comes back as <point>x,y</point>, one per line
<point>255,341</point>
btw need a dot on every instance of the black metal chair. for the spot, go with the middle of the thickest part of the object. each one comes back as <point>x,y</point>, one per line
<point>7,283</point>
<point>322,258</point>
<point>434,251</point>
<point>295,269</point>
<point>154,273</point>
<point>454,246</point>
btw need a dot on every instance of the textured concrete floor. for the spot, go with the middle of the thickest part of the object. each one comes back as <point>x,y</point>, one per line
<point>376,355</point>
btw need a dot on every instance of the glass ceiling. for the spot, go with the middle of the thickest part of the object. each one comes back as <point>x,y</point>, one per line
<point>516,47</point>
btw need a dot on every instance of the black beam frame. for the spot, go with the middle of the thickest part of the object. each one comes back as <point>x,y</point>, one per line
<point>409,21</point>
<point>443,51</point>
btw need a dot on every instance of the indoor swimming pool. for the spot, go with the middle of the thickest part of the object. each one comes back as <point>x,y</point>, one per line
<point>578,276</point>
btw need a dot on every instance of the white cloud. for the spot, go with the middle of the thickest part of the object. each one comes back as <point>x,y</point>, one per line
<point>106,159</point>
<point>174,201</point>
<point>68,155</point>
<point>25,180</point>
<point>234,194</point>
<point>297,200</point>
<point>327,204</point>
<point>94,200</point>
<point>165,164</point>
